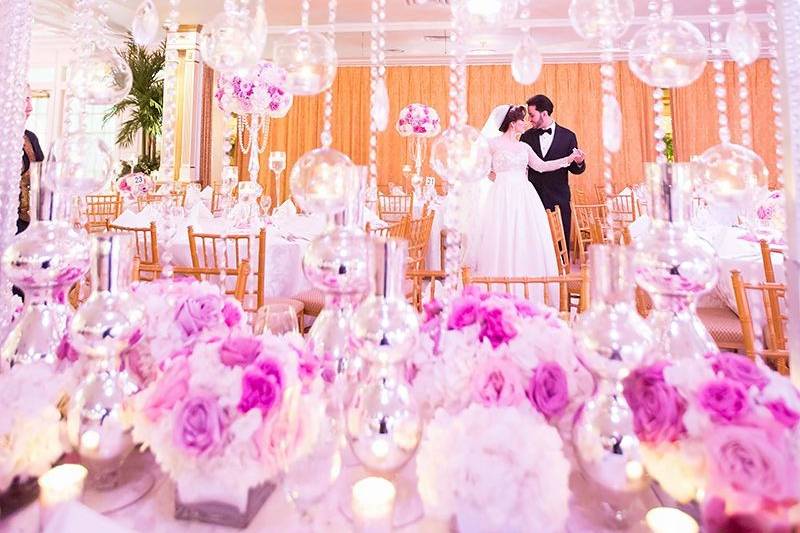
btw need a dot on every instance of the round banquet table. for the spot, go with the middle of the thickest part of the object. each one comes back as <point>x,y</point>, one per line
<point>154,512</point>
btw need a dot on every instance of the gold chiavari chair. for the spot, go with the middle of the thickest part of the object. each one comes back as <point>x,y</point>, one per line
<point>562,253</point>
<point>146,240</point>
<point>419,236</point>
<point>393,207</point>
<point>624,209</point>
<point>600,193</point>
<point>512,284</point>
<point>216,251</point>
<point>101,208</point>
<point>775,351</point>
<point>766,257</point>
<point>398,230</point>
<point>422,283</point>
<point>585,217</point>
<point>152,272</point>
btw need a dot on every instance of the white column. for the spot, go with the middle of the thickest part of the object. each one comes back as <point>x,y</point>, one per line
<point>789,55</point>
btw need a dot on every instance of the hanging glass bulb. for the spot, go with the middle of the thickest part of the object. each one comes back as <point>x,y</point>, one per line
<point>478,13</point>
<point>102,78</point>
<point>612,124</point>
<point>526,63</point>
<point>380,106</point>
<point>742,40</point>
<point>461,153</point>
<point>668,53</point>
<point>599,19</point>
<point>79,164</point>
<point>144,26</point>
<point>321,180</point>
<point>232,41</point>
<point>309,59</point>
<point>730,170</point>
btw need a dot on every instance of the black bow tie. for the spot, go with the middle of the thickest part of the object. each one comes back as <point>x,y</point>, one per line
<point>548,130</point>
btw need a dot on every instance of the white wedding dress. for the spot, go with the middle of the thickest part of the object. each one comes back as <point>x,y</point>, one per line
<point>512,236</point>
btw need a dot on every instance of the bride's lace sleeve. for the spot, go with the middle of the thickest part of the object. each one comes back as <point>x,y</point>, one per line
<point>539,165</point>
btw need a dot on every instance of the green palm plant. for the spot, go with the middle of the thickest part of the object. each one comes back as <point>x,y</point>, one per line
<point>143,107</point>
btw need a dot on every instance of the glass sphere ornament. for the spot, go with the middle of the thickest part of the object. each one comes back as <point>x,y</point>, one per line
<point>105,325</point>
<point>668,53</point>
<point>44,261</point>
<point>385,326</point>
<point>600,19</point>
<point>101,78</point>
<point>77,164</point>
<point>612,337</point>
<point>482,13</point>
<point>383,421</point>
<point>461,154</point>
<point>729,172</point>
<point>232,41</point>
<point>526,63</point>
<point>144,26</point>
<point>743,40</point>
<point>674,265</point>
<point>309,59</point>
<point>321,180</point>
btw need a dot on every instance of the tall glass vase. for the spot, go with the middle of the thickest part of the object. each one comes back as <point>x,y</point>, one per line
<point>613,340</point>
<point>44,261</point>
<point>674,265</point>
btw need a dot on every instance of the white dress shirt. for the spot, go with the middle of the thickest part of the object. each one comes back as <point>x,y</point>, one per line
<point>546,139</point>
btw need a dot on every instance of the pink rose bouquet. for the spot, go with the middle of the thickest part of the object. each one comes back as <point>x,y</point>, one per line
<point>135,185</point>
<point>418,120</point>
<point>497,350</point>
<point>216,416</point>
<point>261,91</point>
<point>724,430</point>
<point>180,314</point>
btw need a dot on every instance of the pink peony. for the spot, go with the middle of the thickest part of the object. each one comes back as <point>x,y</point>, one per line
<point>657,407</point>
<point>231,313</point>
<point>739,368</point>
<point>498,383</point>
<point>783,414</point>
<point>262,387</point>
<point>495,328</point>
<point>725,400</point>
<point>240,351</point>
<point>171,388</point>
<point>548,391</point>
<point>464,313</point>
<point>198,314</point>
<point>198,425</point>
<point>65,351</point>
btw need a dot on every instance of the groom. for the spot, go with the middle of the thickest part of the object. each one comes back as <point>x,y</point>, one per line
<point>551,141</point>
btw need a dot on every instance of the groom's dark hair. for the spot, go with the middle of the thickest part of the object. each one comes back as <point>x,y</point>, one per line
<point>541,103</point>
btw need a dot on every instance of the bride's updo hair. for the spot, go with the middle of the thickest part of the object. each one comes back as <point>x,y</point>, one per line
<point>514,114</point>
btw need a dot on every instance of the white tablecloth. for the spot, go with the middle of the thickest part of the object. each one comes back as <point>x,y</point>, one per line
<point>155,512</point>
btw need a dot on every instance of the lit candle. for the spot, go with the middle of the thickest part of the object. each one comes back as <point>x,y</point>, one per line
<point>59,485</point>
<point>373,505</point>
<point>670,520</point>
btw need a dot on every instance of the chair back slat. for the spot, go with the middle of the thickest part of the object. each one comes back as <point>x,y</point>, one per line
<point>394,207</point>
<point>239,291</point>
<point>560,246</point>
<point>101,209</point>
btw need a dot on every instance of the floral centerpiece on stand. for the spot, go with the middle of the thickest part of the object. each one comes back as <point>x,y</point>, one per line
<point>419,122</point>
<point>723,431</point>
<point>135,185</point>
<point>769,217</point>
<point>31,425</point>
<point>221,413</point>
<point>496,361</point>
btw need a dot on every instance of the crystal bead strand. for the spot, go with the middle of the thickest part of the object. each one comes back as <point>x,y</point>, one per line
<point>720,91</point>
<point>665,9</point>
<point>377,71</point>
<point>457,94</point>
<point>777,106</point>
<point>15,37</point>
<point>745,121</point>
<point>326,137</point>
<point>171,61</point>
<point>609,88</point>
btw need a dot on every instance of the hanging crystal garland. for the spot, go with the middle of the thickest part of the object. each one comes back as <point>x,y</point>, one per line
<point>257,127</point>
<point>777,106</point>
<point>170,101</point>
<point>15,37</point>
<point>526,63</point>
<point>743,45</point>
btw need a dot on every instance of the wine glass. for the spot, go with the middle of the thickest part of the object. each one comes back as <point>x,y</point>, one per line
<point>278,319</point>
<point>277,164</point>
<point>265,202</point>
<point>310,460</point>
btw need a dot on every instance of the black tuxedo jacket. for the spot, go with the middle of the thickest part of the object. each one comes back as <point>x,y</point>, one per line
<point>553,187</point>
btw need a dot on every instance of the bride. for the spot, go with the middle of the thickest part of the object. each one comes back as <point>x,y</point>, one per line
<point>512,235</point>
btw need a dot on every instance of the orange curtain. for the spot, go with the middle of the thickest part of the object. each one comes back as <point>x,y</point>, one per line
<point>574,89</point>
<point>694,114</point>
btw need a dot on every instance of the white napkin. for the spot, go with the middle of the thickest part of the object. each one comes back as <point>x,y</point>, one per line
<point>137,220</point>
<point>639,227</point>
<point>74,517</point>
<point>301,226</point>
<point>373,219</point>
<point>286,209</point>
<point>397,190</point>
<point>199,212</point>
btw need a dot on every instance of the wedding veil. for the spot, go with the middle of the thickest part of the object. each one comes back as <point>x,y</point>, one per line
<point>492,127</point>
